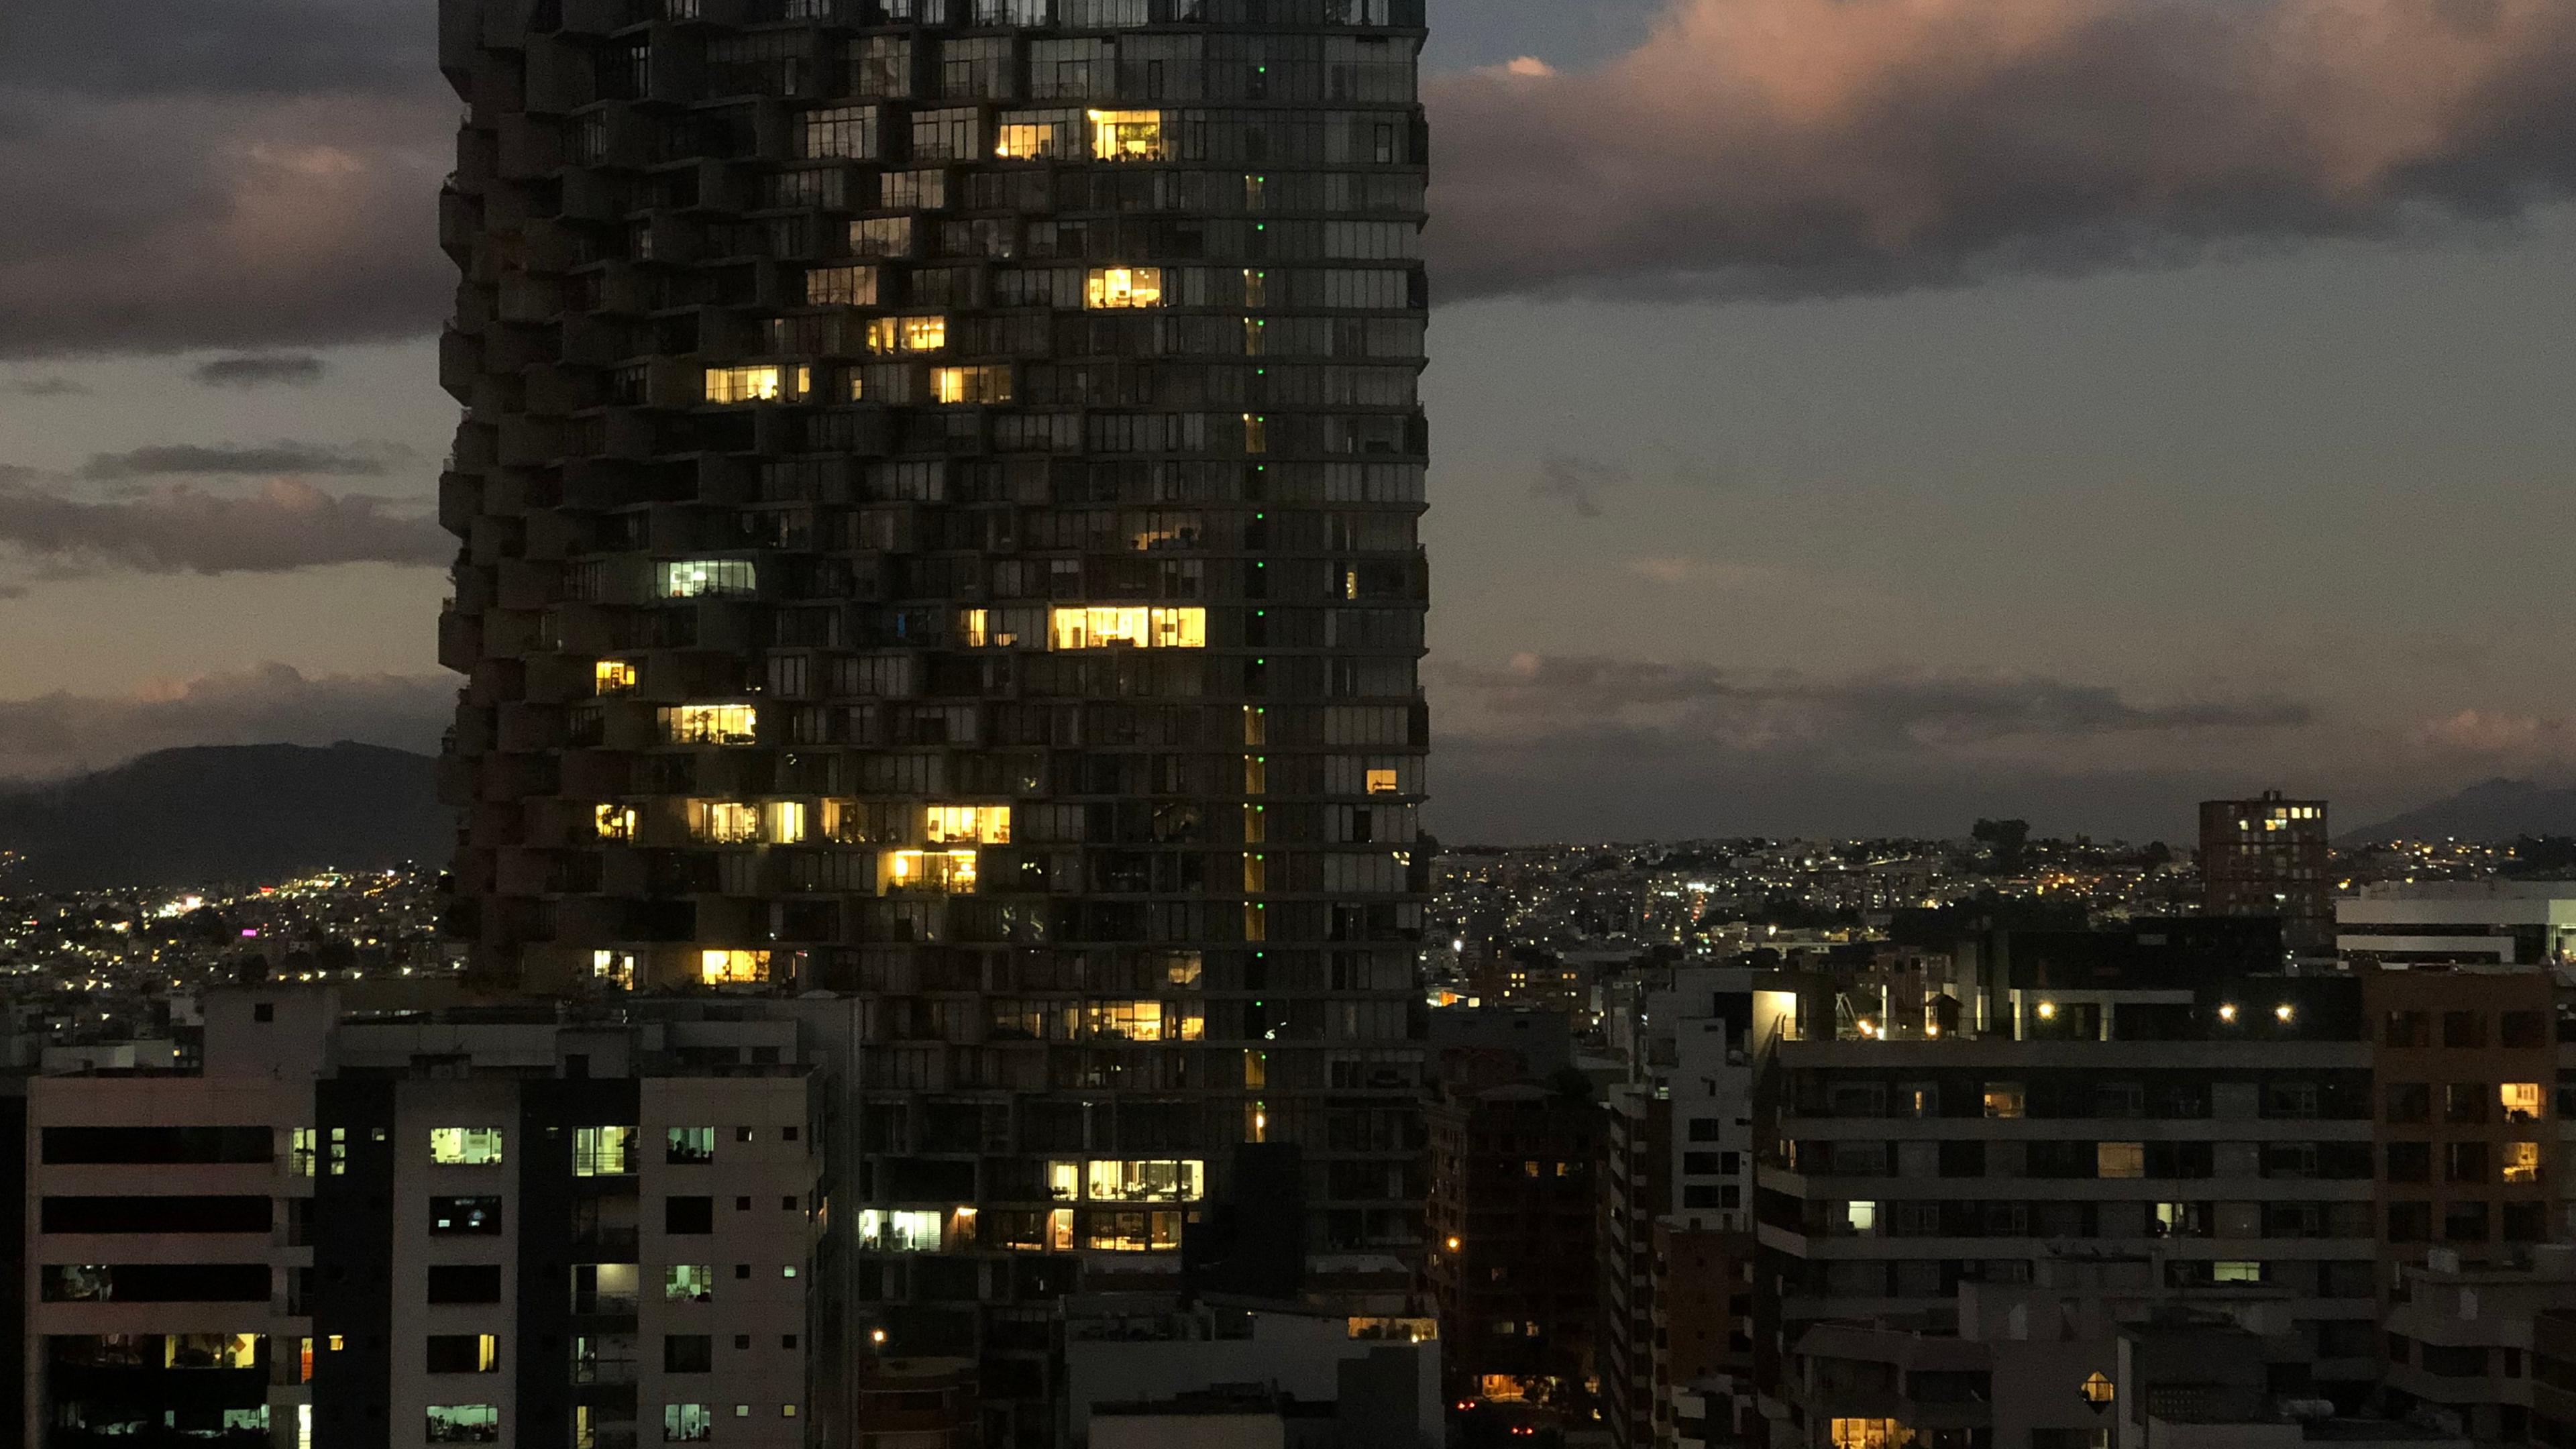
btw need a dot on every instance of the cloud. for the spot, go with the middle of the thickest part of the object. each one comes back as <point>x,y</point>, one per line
<point>178,528</point>
<point>1702,706</point>
<point>270,704</point>
<point>46,387</point>
<point>1794,148</point>
<point>2499,735</point>
<point>297,370</point>
<point>229,460</point>
<point>1578,482</point>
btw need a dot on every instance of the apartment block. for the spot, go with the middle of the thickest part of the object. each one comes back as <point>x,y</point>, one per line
<point>938,507</point>
<point>2458,923</point>
<point>496,1226</point>
<point>2209,1129</point>
<point>2271,856</point>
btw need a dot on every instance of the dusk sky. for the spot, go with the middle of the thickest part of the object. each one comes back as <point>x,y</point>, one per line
<point>1849,416</point>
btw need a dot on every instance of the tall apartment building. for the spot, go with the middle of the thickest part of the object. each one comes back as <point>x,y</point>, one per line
<point>939,492</point>
<point>1676,1230</point>
<point>2271,856</point>
<point>2178,1126</point>
<point>496,1228</point>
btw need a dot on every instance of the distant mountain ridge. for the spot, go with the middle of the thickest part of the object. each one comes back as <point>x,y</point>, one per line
<point>238,813</point>
<point>2490,810</point>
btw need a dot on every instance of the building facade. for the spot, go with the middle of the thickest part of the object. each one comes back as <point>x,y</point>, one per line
<point>938,498</point>
<point>488,1228</point>
<point>2271,856</point>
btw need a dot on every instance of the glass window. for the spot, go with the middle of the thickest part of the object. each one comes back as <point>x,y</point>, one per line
<point>451,1217</point>
<point>613,676</point>
<point>964,824</point>
<point>2003,1099</point>
<point>464,1424</point>
<point>2235,1272</point>
<point>889,335</point>
<point>950,872</point>
<point>1116,288</point>
<point>2522,1162</point>
<point>711,724</point>
<point>691,1146</point>
<point>708,578</point>
<point>687,1423</point>
<point>899,1231</point>
<point>465,1146</point>
<point>2119,1159</point>
<point>723,822</point>
<point>1113,1180</point>
<point>1127,136</point>
<point>2521,1101</point>
<point>604,1151</point>
<point>615,822</point>
<point>1129,627</point>
<point>689,1283</point>
<point>971,384</point>
<point>757,384</point>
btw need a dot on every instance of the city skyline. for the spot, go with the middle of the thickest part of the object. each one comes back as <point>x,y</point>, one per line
<point>2084,540</point>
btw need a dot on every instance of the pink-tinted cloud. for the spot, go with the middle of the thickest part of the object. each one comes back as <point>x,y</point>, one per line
<point>1810,147</point>
<point>180,528</point>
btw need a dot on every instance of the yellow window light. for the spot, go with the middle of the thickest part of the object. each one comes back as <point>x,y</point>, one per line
<point>1116,288</point>
<point>1134,626</point>
<point>968,824</point>
<point>1127,135</point>
<point>733,968</point>
<point>613,676</point>
<point>949,871</point>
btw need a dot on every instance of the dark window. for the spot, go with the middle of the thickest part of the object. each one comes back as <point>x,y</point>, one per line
<point>689,1215</point>
<point>2464,1222</point>
<point>465,1283</point>
<point>2464,1029</point>
<point>2464,1162</point>
<point>742,1340</point>
<point>1699,1197</point>
<point>155,1145</point>
<point>2465,1102</point>
<point>155,1283</point>
<point>264,1011</point>
<point>157,1214</point>
<point>787,1340</point>
<point>1963,1159</point>
<point>787,1204</point>
<point>787,1134</point>
<point>742,1134</point>
<point>2410,1102</point>
<point>2408,1029</point>
<point>1705,1129</point>
<point>464,1217</point>
<point>2454,1362</point>
<point>2524,1028</point>
<point>2525,1222</point>
<point>688,1353</point>
<point>742,1204</point>
<point>2410,1162</point>
<point>462,1353</point>
<point>2410,1222</point>
<point>1700,1162</point>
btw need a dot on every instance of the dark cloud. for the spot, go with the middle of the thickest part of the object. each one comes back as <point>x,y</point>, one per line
<point>1578,482</point>
<point>270,704</point>
<point>1788,148</point>
<point>46,387</point>
<point>225,460</point>
<point>1697,707</point>
<point>289,524</point>
<point>130,48</point>
<point>296,370</point>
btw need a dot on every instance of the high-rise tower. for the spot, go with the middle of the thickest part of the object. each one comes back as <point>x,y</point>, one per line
<point>939,487</point>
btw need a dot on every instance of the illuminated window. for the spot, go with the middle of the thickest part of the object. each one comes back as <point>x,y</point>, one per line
<point>688,1423</point>
<point>1871,1434</point>
<point>710,724</point>
<point>971,384</point>
<point>1112,288</point>
<point>689,1283</point>
<point>1060,1230</point>
<point>689,1146</point>
<point>1131,1232</point>
<point>1860,1218</point>
<point>1127,135</point>
<point>1382,782</point>
<point>613,676</point>
<point>302,1150</point>
<point>210,1350</point>
<point>758,384</point>
<point>2098,1390</point>
<point>615,822</point>
<point>723,822</point>
<point>2003,1099</point>
<point>881,236</point>
<point>1132,627</point>
<point>708,578</point>
<point>617,968</point>
<point>733,968</point>
<point>948,871</point>
<point>604,1151</point>
<point>1110,1180</point>
<point>1064,1181</point>
<point>465,1146</point>
<point>2521,1101</point>
<point>1138,1021</point>
<point>841,287</point>
<point>2522,1162</point>
<point>2235,1272</point>
<point>968,824</point>
<point>887,335</point>
<point>783,822</point>
<point>2119,1159</point>
<point>464,1423</point>
<point>899,1231</point>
